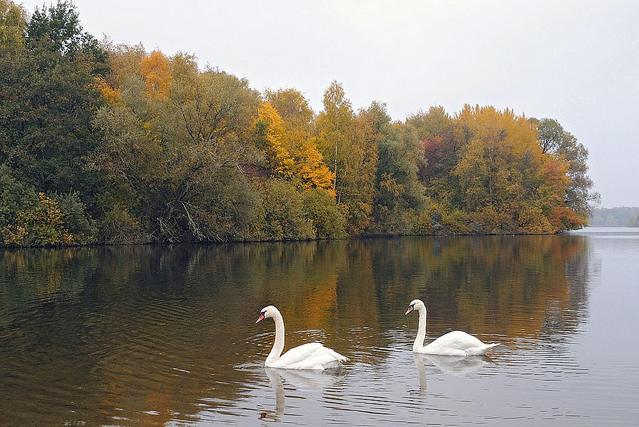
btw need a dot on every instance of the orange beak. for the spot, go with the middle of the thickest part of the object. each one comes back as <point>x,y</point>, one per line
<point>259,319</point>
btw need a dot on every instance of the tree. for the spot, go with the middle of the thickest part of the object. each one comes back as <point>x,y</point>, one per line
<point>349,145</point>
<point>442,139</point>
<point>173,161</point>
<point>399,196</point>
<point>293,108</point>
<point>279,156</point>
<point>13,22</point>
<point>561,144</point>
<point>508,184</point>
<point>48,101</point>
<point>58,29</point>
<point>155,72</point>
<point>308,164</point>
<point>333,128</point>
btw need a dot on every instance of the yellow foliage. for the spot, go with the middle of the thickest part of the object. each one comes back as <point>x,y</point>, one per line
<point>312,169</point>
<point>293,153</point>
<point>508,183</point>
<point>41,226</point>
<point>280,158</point>
<point>110,94</point>
<point>155,70</point>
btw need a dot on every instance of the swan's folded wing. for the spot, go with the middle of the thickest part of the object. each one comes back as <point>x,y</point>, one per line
<point>297,354</point>
<point>457,343</point>
<point>311,356</point>
<point>456,340</point>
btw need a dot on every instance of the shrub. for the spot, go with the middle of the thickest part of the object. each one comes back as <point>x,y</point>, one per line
<point>326,216</point>
<point>119,226</point>
<point>41,226</point>
<point>76,218</point>
<point>284,212</point>
<point>14,197</point>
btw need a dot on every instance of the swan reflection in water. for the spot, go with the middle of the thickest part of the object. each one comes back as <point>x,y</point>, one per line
<point>458,366</point>
<point>299,380</point>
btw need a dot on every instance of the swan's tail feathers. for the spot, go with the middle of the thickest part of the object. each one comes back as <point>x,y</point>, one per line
<point>336,355</point>
<point>491,345</point>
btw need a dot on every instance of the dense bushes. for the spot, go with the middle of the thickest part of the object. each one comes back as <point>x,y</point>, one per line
<point>29,218</point>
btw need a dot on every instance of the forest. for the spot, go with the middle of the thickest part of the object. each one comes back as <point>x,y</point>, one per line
<point>615,217</point>
<point>113,144</point>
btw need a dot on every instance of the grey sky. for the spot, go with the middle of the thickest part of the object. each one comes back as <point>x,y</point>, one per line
<point>576,61</point>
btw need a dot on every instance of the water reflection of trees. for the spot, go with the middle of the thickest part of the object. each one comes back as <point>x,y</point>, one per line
<point>87,330</point>
<point>509,286</point>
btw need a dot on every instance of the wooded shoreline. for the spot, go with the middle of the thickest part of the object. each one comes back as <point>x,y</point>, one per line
<point>233,242</point>
<point>111,144</point>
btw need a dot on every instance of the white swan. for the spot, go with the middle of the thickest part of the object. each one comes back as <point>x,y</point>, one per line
<point>456,343</point>
<point>306,356</point>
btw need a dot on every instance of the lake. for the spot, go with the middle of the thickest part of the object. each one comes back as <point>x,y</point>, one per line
<point>166,335</point>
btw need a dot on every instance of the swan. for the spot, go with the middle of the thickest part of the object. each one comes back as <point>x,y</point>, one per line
<point>456,343</point>
<point>306,356</point>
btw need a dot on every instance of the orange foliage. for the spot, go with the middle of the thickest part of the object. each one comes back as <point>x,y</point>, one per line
<point>156,73</point>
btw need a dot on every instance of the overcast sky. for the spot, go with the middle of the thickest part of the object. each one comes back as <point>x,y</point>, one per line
<point>576,61</point>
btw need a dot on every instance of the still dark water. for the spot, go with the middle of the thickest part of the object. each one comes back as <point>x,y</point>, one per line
<point>166,335</point>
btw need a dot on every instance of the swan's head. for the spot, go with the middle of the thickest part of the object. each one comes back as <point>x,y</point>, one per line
<point>268,311</point>
<point>415,304</point>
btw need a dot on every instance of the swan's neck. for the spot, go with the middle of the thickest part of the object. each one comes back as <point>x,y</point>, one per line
<point>421,331</point>
<point>278,345</point>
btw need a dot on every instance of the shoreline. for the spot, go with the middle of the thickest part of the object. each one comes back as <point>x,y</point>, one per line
<point>230,242</point>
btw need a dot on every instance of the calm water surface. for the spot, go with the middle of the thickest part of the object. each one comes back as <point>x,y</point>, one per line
<point>166,335</point>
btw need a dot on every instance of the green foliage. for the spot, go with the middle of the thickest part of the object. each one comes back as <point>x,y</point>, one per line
<point>42,225</point>
<point>13,22</point>
<point>14,197</point>
<point>399,195</point>
<point>29,218</point>
<point>50,221</point>
<point>328,219</point>
<point>47,103</point>
<point>76,218</point>
<point>175,160</point>
<point>285,217</point>
<point>348,142</point>
<point>119,226</point>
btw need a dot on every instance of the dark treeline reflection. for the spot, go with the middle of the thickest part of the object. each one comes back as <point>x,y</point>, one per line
<point>153,334</point>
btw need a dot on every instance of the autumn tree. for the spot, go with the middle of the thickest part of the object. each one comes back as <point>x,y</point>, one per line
<point>561,144</point>
<point>349,144</point>
<point>271,124</point>
<point>297,138</point>
<point>155,72</point>
<point>173,149</point>
<point>441,138</point>
<point>508,184</point>
<point>152,147</point>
